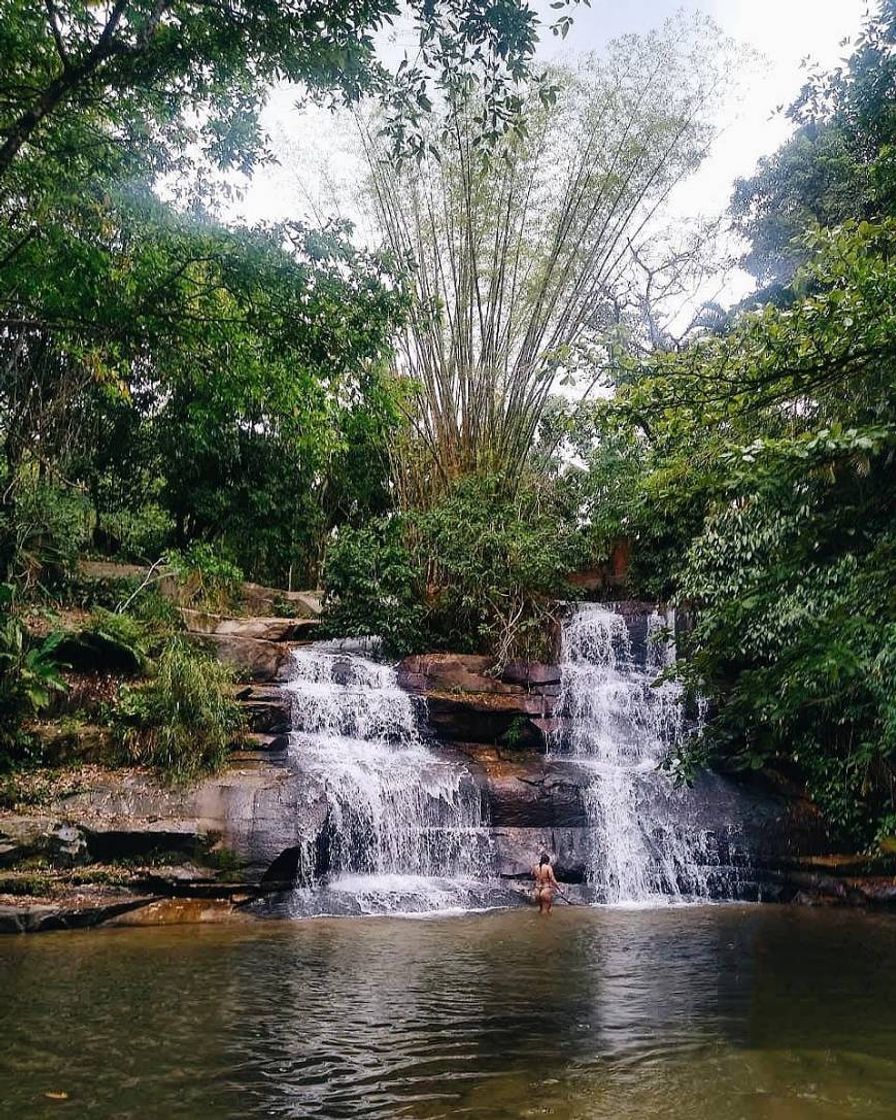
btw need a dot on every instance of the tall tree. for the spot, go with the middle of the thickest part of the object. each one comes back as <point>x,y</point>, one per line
<point>772,451</point>
<point>516,248</point>
<point>839,162</point>
<point>232,360</point>
<point>134,72</point>
<point>97,100</point>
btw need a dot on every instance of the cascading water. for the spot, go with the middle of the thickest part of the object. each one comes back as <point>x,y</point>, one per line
<point>404,827</point>
<point>617,724</point>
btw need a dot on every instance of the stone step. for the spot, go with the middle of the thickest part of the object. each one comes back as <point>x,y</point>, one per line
<point>267,710</point>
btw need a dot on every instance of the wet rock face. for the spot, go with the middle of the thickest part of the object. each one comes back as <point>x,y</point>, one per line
<point>469,700</point>
<point>42,837</point>
<point>534,805</point>
<point>267,708</point>
<point>254,813</point>
<point>517,850</point>
<point>503,722</point>
<point>513,721</point>
<point>522,789</point>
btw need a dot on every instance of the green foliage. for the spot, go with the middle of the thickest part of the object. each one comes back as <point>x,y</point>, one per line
<point>498,558</point>
<point>186,378</point>
<point>44,533</point>
<point>374,587</point>
<point>514,732</point>
<point>147,80</point>
<point>217,374</point>
<point>136,535</point>
<point>479,570</point>
<point>155,611</point>
<point>206,579</point>
<point>629,492</point>
<point>125,631</point>
<point>781,436</point>
<point>839,163</point>
<point>184,720</point>
<point>90,592</point>
<point>29,675</point>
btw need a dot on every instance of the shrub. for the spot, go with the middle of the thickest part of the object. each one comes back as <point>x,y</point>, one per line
<point>29,675</point>
<point>479,571</point>
<point>205,578</point>
<point>48,530</point>
<point>498,557</point>
<point>374,586</point>
<point>88,592</point>
<point>141,533</point>
<point>156,611</point>
<point>183,721</point>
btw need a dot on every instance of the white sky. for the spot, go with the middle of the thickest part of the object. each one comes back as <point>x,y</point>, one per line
<point>786,32</point>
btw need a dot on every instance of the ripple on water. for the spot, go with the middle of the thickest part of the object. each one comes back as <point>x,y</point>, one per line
<point>722,1013</point>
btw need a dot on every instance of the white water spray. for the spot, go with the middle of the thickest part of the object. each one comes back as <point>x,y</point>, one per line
<point>404,827</point>
<point>618,725</point>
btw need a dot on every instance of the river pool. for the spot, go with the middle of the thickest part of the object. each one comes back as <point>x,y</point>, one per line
<point>699,1013</point>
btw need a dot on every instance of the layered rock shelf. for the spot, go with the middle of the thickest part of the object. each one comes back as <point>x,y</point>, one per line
<point>469,700</point>
<point>122,848</point>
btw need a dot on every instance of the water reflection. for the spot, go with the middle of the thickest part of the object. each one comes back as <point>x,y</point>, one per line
<point>718,1013</point>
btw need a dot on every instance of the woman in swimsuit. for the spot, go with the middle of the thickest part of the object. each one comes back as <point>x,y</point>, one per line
<point>545,884</point>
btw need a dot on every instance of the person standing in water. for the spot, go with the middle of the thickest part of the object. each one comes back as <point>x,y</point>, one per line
<point>545,884</point>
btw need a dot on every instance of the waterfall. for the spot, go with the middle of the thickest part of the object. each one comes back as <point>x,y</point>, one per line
<point>617,723</point>
<point>404,826</point>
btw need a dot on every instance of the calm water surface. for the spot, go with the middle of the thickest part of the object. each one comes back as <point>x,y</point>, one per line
<point>704,1013</point>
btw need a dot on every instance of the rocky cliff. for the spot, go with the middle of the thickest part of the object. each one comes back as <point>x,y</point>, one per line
<point>502,721</point>
<point>117,846</point>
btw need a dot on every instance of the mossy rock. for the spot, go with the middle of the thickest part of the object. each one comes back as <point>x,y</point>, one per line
<point>91,652</point>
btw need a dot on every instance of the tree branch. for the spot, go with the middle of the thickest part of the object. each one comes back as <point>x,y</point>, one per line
<point>53,17</point>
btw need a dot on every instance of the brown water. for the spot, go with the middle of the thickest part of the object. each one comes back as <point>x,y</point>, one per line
<point>704,1013</point>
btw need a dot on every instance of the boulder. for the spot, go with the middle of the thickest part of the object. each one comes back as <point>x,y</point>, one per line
<point>254,658</point>
<point>44,837</point>
<point>284,871</point>
<point>301,604</point>
<point>267,629</point>
<point>452,672</point>
<point>271,629</point>
<point>89,651</point>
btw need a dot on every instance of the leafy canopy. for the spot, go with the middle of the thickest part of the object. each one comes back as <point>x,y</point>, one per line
<point>781,436</point>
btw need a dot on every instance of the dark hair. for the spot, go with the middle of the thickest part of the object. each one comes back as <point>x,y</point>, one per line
<point>545,858</point>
